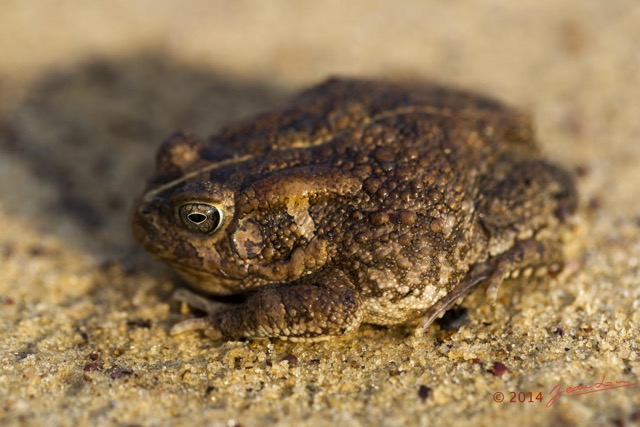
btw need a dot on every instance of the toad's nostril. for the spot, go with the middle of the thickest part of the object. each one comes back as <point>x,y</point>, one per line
<point>145,210</point>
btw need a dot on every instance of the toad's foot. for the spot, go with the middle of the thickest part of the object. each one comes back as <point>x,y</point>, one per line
<point>478,274</point>
<point>202,323</point>
<point>199,302</point>
<point>199,324</point>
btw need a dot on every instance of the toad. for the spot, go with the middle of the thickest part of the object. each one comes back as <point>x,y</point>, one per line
<point>358,202</point>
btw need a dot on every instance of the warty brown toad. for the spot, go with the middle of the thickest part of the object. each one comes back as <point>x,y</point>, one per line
<point>360,201</point>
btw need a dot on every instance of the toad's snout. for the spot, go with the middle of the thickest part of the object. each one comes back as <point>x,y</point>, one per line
<point>147,220</point>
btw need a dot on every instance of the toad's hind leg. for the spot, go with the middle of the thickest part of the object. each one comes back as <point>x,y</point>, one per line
<point>540,255</point>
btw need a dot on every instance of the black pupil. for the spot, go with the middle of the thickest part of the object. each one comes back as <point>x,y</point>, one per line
<point>198,218</point>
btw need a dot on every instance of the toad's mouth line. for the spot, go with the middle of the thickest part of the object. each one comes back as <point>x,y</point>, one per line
<point>213,274</point>
<point>424,109</point>
<point>217,273</point>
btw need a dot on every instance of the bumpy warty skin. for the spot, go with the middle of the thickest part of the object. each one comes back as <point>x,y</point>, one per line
<point>360,201</point>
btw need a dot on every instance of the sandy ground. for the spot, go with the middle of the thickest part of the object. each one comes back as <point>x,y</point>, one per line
<point>89,89</point>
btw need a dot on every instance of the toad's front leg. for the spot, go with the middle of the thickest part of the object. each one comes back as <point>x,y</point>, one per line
<point>314,308</point>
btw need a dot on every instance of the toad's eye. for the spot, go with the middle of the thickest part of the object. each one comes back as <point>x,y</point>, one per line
<point>201,217</point>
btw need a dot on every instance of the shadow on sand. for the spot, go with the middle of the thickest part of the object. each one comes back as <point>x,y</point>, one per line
<point>91,132</point>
